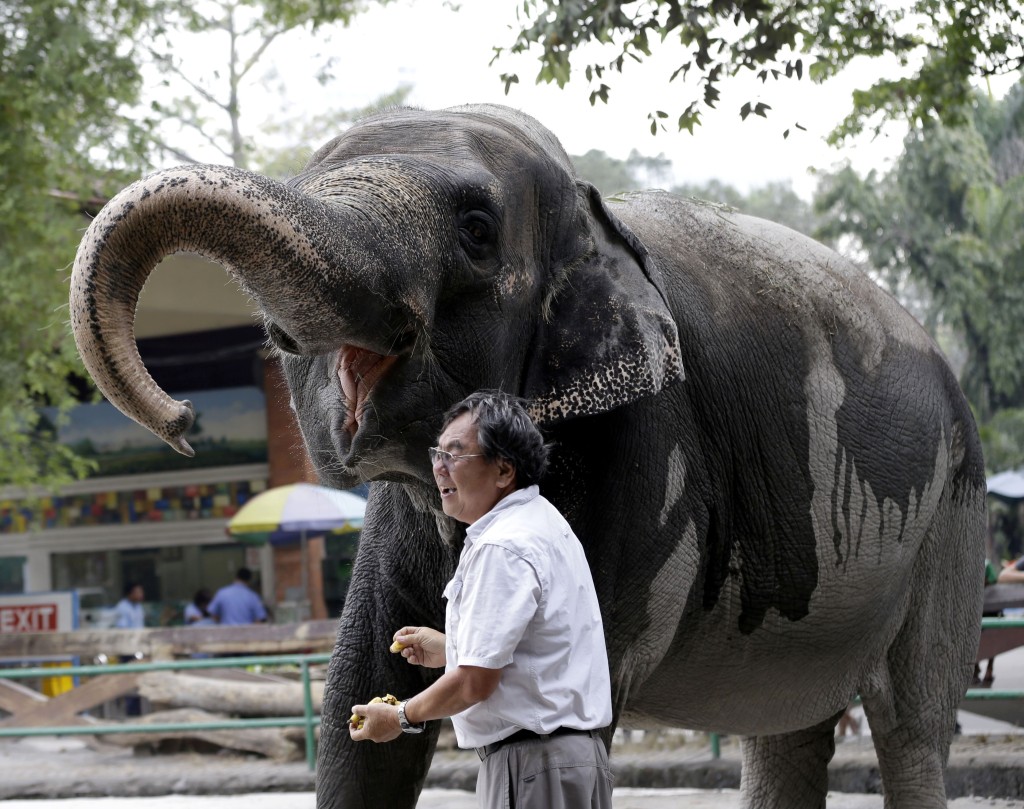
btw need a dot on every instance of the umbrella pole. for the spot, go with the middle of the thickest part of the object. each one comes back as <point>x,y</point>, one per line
<point>304,611</point>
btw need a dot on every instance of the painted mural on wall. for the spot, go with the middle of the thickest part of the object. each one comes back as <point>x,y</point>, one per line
<point>230,429</point>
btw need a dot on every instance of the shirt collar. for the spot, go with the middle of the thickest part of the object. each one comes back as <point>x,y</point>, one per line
<point>518,497</point>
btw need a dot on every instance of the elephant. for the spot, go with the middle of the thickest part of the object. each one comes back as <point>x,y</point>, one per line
<point>777,481</point>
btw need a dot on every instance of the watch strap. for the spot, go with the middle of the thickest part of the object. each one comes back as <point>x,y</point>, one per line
<point>407,726</point>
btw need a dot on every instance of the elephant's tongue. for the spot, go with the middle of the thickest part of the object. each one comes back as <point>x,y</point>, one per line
<point>359,370</point>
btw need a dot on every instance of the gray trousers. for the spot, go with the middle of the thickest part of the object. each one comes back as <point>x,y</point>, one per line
<point>561,772</point>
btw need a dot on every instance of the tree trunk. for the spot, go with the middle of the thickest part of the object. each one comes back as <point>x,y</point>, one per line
<point>280,744</point>
<point>228,696</point>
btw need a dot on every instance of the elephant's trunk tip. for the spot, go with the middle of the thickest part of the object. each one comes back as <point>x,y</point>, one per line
<point>178,428</point>
<point>179,444</point>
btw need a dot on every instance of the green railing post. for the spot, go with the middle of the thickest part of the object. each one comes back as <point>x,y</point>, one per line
<point>307,704</point>
<point>716,745</point>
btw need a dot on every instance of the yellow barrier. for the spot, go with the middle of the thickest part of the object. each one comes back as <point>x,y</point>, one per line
<point>55,686</point>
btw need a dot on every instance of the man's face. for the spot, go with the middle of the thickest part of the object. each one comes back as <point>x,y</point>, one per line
<point>469,486</point>
<point>137,595</point>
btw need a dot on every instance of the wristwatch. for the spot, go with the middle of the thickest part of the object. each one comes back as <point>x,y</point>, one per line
<point>407,726</point>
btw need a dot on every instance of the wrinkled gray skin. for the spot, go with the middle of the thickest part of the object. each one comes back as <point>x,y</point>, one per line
<point>777,481</point>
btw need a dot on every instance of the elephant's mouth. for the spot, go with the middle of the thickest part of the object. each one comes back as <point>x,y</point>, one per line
<point>359,370</point>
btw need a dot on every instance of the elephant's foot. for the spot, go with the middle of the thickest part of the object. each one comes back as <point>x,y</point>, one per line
<point>912,770</point>
<point>788,771</point>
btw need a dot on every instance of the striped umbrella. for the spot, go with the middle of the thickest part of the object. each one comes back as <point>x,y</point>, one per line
<point>287,513</point>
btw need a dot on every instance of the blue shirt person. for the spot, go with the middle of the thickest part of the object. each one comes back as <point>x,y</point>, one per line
<point>198,612</point>
<point>236,603</point>
<point>128,612</point>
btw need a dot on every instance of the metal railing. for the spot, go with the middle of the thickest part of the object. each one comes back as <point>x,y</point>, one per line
<point>309,720</point>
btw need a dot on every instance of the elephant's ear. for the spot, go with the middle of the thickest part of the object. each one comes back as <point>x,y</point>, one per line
<point>607,336</point>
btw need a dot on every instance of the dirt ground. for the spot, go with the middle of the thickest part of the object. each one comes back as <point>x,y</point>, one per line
<point>49,768</point>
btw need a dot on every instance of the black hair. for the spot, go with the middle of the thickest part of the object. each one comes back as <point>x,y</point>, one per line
<point>129,586</point>
<point>505,430</point>
<point>244,574</point>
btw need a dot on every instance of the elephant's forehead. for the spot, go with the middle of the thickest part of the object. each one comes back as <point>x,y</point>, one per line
<point>491,133</point>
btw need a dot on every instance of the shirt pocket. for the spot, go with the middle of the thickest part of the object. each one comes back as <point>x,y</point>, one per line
<point>452,590</point>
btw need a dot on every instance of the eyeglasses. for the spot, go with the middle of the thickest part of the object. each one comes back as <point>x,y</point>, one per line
<point>447,458</point>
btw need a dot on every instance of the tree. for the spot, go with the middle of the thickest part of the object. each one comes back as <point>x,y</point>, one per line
<point>611,176</point>
<point>206,105</point>
<point>940,46</point>
<point>948,223</point>
<point>71,134</point>
<point>304,136</point>
<point>64,70</point>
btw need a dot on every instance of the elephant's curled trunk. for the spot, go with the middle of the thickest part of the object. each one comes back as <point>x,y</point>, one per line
<point>253,226</point>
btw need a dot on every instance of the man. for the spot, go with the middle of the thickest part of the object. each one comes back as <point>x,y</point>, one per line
<point>236,603</point>
<point>128,612</point>
<point>526,679</point>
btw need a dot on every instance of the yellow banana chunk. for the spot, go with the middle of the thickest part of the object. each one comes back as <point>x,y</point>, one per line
<point>397,646</point>
<point>357,721</point>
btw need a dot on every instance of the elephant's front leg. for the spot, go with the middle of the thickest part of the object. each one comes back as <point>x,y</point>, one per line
<point>398,580</point>
<point>790,770</point>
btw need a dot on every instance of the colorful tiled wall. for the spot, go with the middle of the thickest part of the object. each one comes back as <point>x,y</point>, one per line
<point>165,504</point>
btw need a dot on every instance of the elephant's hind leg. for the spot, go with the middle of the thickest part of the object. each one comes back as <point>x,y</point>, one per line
<point>788,771</point>
<point>911,700</point>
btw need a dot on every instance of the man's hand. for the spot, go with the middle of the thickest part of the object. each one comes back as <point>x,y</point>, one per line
<point>379,725</point>
<point>421,646</point>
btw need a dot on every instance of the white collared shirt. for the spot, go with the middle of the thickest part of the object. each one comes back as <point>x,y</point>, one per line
<point>523,600</point>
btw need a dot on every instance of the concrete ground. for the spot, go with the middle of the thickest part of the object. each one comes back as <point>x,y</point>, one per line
<point>458,799</point>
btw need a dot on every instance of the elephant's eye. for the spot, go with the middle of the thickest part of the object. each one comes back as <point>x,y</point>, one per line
<point>477,233</point>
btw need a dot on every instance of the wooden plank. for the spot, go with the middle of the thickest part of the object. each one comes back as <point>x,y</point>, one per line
<point>282,744</point>
<point>997,641</point>
<point>16,697</point>
<point>167,643</point>
<point>230,696</point>
<point>1000,597</point>
<point>1005,710</point>
<point>64,709</point>
<point>241,675</point>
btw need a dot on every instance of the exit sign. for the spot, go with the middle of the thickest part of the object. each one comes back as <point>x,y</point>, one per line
<point>37,612</point>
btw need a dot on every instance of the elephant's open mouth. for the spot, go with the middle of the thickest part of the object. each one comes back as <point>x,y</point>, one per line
<point>359,370</point>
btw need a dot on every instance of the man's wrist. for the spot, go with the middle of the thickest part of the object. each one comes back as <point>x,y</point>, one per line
<point>408,724</point>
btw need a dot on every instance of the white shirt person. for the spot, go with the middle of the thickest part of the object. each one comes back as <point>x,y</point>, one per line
<point>526,679</point>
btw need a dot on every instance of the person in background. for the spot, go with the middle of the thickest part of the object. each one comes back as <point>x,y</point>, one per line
<point>198,612</point>
<point>128,612</point>
<point>1012,572</point>
<point>236,603</point>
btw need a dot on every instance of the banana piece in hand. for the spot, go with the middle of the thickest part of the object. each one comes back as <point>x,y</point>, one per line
<point>356,720</point>
<point>397,646</point>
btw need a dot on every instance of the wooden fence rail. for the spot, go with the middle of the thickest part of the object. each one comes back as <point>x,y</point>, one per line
<point>170,642</point>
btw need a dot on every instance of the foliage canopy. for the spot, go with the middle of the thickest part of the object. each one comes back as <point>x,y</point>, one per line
<point>71,134</point>
<point>940,45</point>
<point>946,224</point>
<point>65,69</point>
